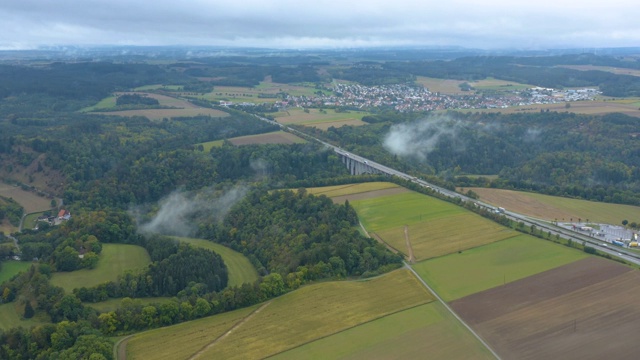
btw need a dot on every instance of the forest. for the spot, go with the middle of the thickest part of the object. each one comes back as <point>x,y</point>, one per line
<point>116,172</point>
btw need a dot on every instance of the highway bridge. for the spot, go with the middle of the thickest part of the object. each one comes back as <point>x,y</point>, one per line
<point>359,165</point>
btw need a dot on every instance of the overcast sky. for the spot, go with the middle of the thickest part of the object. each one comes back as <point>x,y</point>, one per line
<point>486,24</point>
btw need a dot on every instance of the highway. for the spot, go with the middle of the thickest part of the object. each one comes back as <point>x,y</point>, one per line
<point>619,252</point>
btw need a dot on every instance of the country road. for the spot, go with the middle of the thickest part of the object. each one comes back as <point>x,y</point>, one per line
<point>406,265</point>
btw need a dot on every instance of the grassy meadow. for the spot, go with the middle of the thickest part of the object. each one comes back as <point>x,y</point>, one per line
<point>460,274</point>
<point>9,268</point>
<point>435,227</point>
<point>240,269</point>
<point>11,316</point>
<point>30,221</point>
<point>307,314</point>
<point>206,146</point>
<point>115,259</point>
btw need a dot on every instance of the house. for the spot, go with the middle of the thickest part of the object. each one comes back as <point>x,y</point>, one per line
<point>64,214</point>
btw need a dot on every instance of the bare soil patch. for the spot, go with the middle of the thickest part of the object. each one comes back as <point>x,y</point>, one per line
<point>368,195</point>
<point>582,310</point>
<point>522,203</point>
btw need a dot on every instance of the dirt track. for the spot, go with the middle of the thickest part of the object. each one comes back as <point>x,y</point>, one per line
<point>237,325</point>
<point>582,310</point>
<point>412,259</point>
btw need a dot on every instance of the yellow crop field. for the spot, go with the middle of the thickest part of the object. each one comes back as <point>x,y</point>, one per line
<point>441,236</point>
<point>299,317</point>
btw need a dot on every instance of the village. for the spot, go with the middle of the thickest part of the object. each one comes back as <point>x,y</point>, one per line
<point>408,98</point>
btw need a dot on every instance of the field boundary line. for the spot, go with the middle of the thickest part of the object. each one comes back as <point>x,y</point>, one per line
<point>351,327</point>
<point>451,310</point>
<point>412,258</point>
<point>475,247</point>
<point>228,332</point>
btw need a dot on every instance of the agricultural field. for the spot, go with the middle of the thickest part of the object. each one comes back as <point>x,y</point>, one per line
<point>266,92</point>
<point>159,87</point>
<point>555,207</point>
<point>276,137</point>
<point>240,269</point>
<point>443,86</point>
<point>307,314</point>
<point>615,70</point>
<point>492,84</point>
<point>321,120</point>
<point>115,259</point>
<point>30,201</point>
<point>178,108</point>
<point>181,341</point>
<point>9,268</point>
<point>424,227</point>
<point>352,189</point>
<point>11,316</point>
<point>486,267</point>
<point>597,107</point>
<point>582,310</point>
<point>409,334</point>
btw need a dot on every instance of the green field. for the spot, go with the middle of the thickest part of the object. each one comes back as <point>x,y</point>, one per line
<point>410,334</point>
<point>493,84</point>
<point>210,144</point>
<point>299,317</point>
<point>11,317</point>
<point>458,275</point>
<point>30,220</point>
<point>435,227</point>
<point>115,259</point>
<point>9,268</point>
<point>240,269</point>
<point>106,103</point>
<point>265,92</point>
<point>349,189</point>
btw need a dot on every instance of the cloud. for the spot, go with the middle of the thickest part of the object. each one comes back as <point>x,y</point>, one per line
<point>329,23</point>
<point>419,139</point>
<point>179,211</point>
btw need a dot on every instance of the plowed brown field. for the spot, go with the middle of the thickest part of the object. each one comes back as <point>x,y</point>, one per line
<point>584,310</point>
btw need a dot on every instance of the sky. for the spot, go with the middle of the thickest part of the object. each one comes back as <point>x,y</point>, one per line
<point>304,24</point>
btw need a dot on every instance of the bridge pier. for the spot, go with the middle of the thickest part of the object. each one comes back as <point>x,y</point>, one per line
<point>357,167</point>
